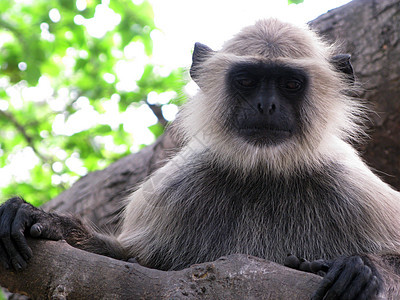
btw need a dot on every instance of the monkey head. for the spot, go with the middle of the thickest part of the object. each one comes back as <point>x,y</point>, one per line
<point>274,92</point>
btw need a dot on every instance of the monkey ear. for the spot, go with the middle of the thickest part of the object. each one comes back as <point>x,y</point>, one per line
<point>200,53</point>
<point>342,64</point>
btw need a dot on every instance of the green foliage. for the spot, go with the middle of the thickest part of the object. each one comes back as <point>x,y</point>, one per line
<point>63,95</point>
<point>295,1</point>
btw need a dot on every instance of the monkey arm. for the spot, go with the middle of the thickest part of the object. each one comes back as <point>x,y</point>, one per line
<point>19,218</point>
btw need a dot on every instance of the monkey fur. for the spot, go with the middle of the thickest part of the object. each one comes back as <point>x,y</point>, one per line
<point>267,169</point>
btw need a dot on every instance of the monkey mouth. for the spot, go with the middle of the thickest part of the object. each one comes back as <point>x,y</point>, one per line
<point>265,135</point>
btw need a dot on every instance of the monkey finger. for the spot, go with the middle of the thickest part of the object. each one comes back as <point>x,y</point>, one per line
<point>305,266</point>
<point>371,290</point>
<point>16,259</point>
<point>14,256</point>
<point>36,230</point>
<point>3,258</point>
<point>3,254</point>
<point>21,244</point>
<point>362,282</point>
<point>9,211</point>
<point>46,227</point>
<point>319,265</point>
<point>40,230</point>
<point>321,273</point>
<point>292,261</point>
<point>22,220</point>
<point>350,280</point>
<point>327,282</point>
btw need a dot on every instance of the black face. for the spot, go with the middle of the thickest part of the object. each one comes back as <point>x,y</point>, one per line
<point>266,100</point>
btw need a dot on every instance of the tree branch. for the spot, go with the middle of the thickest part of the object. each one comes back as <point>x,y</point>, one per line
<point>27,137</point>
<point>59,271</point>
<point>156,109</point>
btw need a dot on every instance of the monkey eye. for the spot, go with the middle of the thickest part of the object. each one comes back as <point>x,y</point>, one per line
<point>292,85</point>
<point>246,82</point>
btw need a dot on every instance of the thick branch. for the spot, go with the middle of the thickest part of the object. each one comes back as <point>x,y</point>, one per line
<point>53,274</point>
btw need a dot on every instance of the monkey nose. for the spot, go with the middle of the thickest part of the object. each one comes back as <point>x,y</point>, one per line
<point>272,108</point>
<point>260,108</point>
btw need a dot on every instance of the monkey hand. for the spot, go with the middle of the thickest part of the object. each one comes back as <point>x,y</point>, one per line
<point>18,218</point>
<point>348,277</point>
<point>319,266</point>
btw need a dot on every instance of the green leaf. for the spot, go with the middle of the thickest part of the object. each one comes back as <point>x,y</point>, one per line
<point>55,105</point>
<point>295,1</point>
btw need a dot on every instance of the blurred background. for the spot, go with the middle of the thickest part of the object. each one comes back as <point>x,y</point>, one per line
<point>86,82</point>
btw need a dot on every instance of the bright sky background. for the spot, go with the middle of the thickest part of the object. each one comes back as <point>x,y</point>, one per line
<point>211,22</point>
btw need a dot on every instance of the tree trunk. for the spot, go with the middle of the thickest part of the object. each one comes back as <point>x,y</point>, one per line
<point>370,31</point>
<point>367,29</point>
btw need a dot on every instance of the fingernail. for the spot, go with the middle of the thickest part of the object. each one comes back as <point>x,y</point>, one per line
<point>26,256</point>
<point>36,230</point>
<point>18,267</point>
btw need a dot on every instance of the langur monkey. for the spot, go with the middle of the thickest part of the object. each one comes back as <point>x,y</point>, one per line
<point>267,169</point>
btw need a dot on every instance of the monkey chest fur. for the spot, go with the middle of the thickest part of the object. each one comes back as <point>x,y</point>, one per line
<point>208,212</point>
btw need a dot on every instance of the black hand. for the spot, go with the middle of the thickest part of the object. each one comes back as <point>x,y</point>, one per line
<point>14,250</point>
<point>352,277</point>
<point>17,217</point>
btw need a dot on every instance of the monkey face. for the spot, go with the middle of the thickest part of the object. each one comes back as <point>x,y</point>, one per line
<point>265,100</point>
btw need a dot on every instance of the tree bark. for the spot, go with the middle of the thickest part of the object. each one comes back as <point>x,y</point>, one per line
<point>367,29</point>
<point>67,272</point>
<point>370,31</point>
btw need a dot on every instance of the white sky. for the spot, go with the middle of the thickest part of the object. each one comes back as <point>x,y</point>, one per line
<point>211,22</point>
